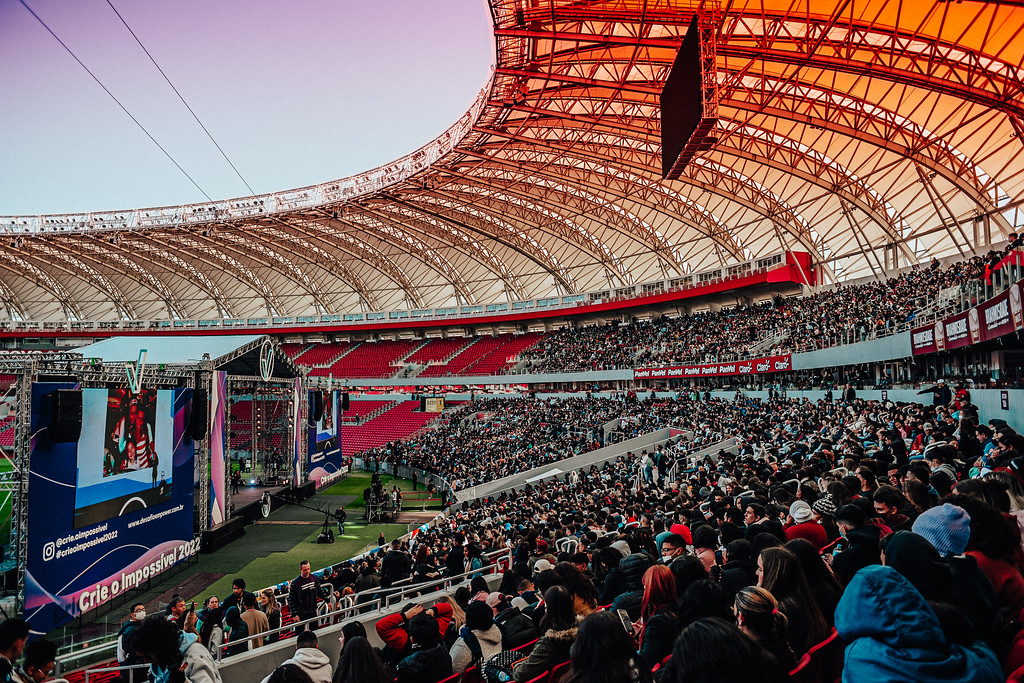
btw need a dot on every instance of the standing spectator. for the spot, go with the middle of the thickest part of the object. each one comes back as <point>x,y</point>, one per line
<point>176,610</point>
<point>255,620</point>
<point>173,656</point>
<point>304,595</point>
<point>309,658</point>
<point>125,655</point>
<point>237,593</point>
<point>396,564</point>
<point>237,632</point>
<point>268,603</point>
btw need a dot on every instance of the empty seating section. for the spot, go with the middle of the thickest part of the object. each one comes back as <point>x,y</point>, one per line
<point>293,350</point>
<point>323,354</point>
<point>371,359</point>
<point>503,355</point>
<point>7,431</point>
<point>363,408</point>
<point>241,425</point>
<point>439,350</point>
<point>397,423</point>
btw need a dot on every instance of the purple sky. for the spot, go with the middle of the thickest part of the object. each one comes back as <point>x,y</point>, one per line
<point>295,93</point>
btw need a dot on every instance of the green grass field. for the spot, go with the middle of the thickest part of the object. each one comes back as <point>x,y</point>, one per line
<point>354,484</point>
<point>278,566</point>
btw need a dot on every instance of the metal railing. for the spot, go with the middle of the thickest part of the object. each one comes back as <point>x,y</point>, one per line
<point>382,601</point>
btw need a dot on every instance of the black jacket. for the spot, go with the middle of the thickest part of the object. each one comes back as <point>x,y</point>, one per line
<point>516,629</point>
<point>862,552</point>
<point>396,566</point>
<point>659,635</point>
<point>303,595</point>
<point>425,666</point>
<point>736,574</point>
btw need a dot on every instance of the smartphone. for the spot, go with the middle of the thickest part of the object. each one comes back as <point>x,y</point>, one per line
<point>627,623</point>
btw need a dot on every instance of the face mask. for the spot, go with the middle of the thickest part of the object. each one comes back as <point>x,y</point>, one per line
<point>139,616</point>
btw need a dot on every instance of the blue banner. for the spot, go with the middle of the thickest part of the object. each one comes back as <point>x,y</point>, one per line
<point>114,509</point>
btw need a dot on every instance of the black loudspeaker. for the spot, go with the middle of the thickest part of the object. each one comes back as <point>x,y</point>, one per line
<point>318,406</point>
<point>65,415</point>
<point>197,419</point>
<point>344,401</point>
<point>423,403</point>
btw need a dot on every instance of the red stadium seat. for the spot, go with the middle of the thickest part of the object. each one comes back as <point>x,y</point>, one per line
<point>823,662</point>
<point>559,672</point>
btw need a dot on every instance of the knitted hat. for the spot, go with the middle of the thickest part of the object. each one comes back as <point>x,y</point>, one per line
<point>800,511</point>
<point>825,506</point>
<point>683,531</point>
<point>947,527</point>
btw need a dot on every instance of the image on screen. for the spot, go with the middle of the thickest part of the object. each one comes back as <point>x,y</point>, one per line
<point>124,453</point>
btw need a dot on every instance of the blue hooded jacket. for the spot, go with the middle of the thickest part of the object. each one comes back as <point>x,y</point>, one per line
<point>894,636</point>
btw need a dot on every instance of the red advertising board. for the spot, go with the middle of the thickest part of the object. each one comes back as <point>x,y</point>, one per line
<point>994,318</point>
<point>752,366</point>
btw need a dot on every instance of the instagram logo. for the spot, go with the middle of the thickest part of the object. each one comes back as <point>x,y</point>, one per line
<point>48,551</point>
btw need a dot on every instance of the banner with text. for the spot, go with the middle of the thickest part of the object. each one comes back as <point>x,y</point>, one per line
<point>752,366</point>
<point>111,511</point>
<point>996,317</point>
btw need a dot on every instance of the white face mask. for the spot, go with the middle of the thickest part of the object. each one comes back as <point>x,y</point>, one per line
<point>139,616</point>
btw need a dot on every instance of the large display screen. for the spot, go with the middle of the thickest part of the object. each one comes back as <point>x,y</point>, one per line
<point>114,509</point>
<point>324,435</point>
<point>119,457</point>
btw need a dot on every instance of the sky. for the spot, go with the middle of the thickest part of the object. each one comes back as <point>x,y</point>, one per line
<point>295,93</point>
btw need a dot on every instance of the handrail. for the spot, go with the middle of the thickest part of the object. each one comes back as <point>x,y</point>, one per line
<point>381,603</point>
<point>107,669</point>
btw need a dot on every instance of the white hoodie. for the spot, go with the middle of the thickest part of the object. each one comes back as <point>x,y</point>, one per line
<point>313,662</point>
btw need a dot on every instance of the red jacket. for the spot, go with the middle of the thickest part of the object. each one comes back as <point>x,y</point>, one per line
<point>391,628</point>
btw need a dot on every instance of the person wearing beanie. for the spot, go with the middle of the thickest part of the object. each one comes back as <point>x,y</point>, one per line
<point>479,639</point>
<point>947,527</point>
<point>804,526</point>
<point>965,588</point>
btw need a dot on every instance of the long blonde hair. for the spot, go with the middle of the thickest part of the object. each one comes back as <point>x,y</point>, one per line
<point>271,600</point>
<point>458,614</point>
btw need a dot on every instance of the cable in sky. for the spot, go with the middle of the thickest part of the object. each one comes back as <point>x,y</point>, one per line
<point>208,134</point>
<point>123,108</point>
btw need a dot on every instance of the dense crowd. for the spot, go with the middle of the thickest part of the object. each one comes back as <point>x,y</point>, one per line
<point>494,438</point>
<point>892,531</point>
<point>841,315</point>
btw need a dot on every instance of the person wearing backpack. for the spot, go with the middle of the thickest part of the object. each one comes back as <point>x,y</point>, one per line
<point>478,640</point>
<point>125,654</point>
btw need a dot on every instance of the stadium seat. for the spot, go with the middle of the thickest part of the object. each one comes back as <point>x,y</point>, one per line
<point>823,662</point>
<point>559,672</point>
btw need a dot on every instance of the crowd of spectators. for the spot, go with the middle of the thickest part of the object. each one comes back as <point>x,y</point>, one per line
<point>891,529</point>
<point>843,314</point>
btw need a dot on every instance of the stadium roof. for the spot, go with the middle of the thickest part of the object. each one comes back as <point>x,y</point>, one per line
<point>873,134</point>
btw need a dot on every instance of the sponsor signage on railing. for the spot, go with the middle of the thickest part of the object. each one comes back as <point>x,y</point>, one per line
<point>751,366</point>
<point>1000,315</point>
